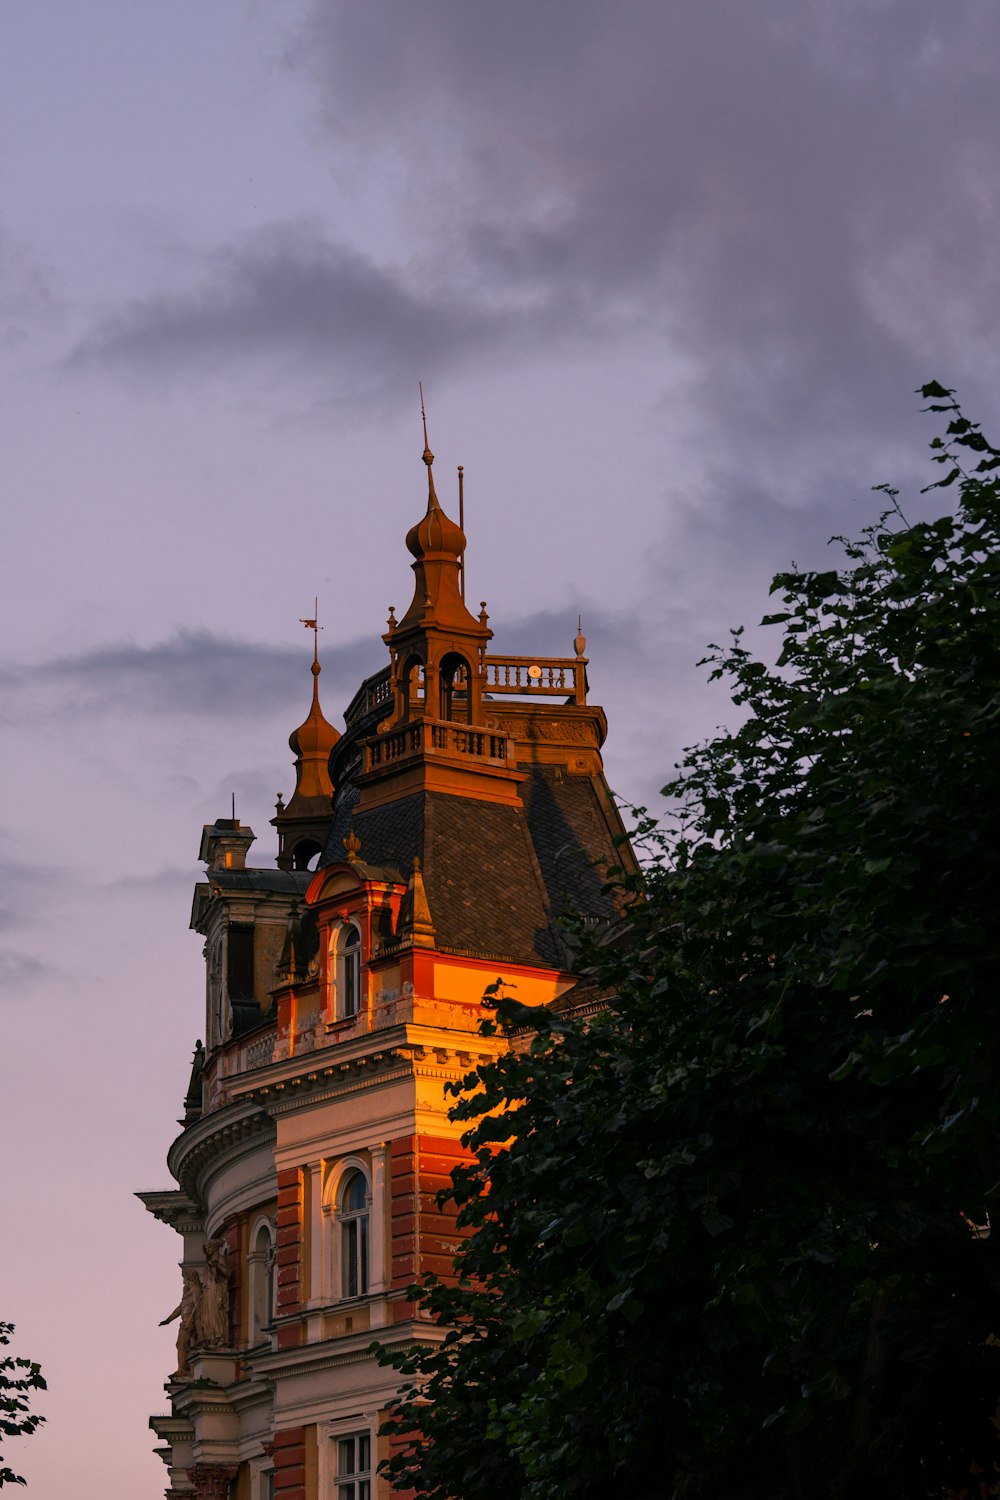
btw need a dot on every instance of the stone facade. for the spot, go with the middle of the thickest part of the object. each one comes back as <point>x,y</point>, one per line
<point>426,850</point>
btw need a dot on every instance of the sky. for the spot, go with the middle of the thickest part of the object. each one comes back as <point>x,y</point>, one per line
<point>670,273</point>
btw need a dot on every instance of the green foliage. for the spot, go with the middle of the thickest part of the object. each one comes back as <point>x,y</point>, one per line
<point>731,1234</point>
<point>18,1378</point>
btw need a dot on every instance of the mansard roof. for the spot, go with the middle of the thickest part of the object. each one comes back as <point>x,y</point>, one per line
<point>497,876</point>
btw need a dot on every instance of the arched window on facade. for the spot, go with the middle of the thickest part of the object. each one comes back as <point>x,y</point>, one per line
<point>263,1273</point>
<point>353,1215</point>
<point>345,971</point>
<point>455,688</point>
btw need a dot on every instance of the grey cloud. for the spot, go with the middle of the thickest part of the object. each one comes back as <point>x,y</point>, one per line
<point>26,294</point>
<point>193,672</point>
<point>802,202</point>
<point>27,889</point>
<point>798,206</point>
<point>167,881</point>
<point>19,971</point>
<point>291,294</point>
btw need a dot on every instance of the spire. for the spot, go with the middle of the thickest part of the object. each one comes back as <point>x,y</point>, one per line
<point>432,500</point>
<point>303,821</point>
<point>438,546</point>
<point>315,737</point>
<point>415,925</point>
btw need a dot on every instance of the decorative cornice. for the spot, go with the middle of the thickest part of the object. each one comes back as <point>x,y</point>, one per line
<point>352,1349</point>
<point>319,1083</point>
<point>229,1132</point>
<point>350,1075</point>
<point>175,1208</point>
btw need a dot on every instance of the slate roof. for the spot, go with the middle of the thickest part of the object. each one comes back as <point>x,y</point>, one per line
<point>291,882</point>
<point>496,876</point>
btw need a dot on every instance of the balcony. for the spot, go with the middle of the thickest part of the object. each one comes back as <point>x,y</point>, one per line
<point>462,743</point>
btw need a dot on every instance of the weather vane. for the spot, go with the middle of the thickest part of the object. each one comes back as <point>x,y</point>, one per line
<point>315,627</point>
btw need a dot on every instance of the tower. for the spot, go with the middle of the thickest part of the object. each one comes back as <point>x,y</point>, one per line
<point>302,824</point>
<point>458,815</point>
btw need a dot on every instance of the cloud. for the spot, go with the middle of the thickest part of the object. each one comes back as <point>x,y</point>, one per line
<point>26,294</point>
<point>792,213</point>
<point>799,205</point>
<point>20,971</point>
<point>291,294</point>
<point>168,880</point>
<point>191,672</point>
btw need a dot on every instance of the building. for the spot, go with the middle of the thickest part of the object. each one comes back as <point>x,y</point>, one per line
<point>428,849</point>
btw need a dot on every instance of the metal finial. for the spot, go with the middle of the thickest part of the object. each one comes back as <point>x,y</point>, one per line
<point>461,527</point>
<point>432,499</point>
<point>428,455</point>
<point>234,807</point>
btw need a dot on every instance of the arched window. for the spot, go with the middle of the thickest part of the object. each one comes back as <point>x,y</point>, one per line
<point>414,687</point>
<point>455,688</point>
<point>352,1232</point>
<point>305,855</point>
<point>263,1271</point>
<point>345,971</point>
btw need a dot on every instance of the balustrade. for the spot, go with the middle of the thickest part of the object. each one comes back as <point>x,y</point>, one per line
<point>373,693</point>
<point>435,737</point>
<point>545,676</point>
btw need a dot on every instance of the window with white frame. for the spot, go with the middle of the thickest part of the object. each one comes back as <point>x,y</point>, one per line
<point>354,1466</point>
<point>345,971</point>
<point>353,1217</point>
<point>261,1479</point>
<point>263,1269</point>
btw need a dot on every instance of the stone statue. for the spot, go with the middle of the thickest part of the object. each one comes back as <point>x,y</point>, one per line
<point>212,1314</point>
<point>186,1310</point>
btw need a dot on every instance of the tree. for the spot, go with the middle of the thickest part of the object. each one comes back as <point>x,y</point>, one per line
<point>732,1236</point>
<point>18,1378</point>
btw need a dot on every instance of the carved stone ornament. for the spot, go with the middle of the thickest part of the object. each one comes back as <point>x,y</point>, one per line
<point>212,1481</point>
<point>212,1315</point>
<point>186,1310</point>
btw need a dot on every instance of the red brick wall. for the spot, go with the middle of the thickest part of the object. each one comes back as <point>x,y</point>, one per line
<point>424,1236</point>
<point>289,1453</point>
<point>438,1236</point>
<point>289,1251</point>
<point>403,1193</point>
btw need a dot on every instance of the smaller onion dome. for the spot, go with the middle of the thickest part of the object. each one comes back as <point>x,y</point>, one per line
<point>316,736</point>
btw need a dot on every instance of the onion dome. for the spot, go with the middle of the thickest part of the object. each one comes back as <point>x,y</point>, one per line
<point>435,532</point>
<point>304,821</point>
<point>311,744</point>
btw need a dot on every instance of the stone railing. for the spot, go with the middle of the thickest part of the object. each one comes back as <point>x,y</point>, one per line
<point>436,737</point>
<point>540,677</point>
<point>373,693</point>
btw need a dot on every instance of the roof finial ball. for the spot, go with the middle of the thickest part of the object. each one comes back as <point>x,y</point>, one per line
<point>580,644</point>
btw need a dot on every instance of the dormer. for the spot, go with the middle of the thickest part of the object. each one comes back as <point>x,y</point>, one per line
<point>225,844</point>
